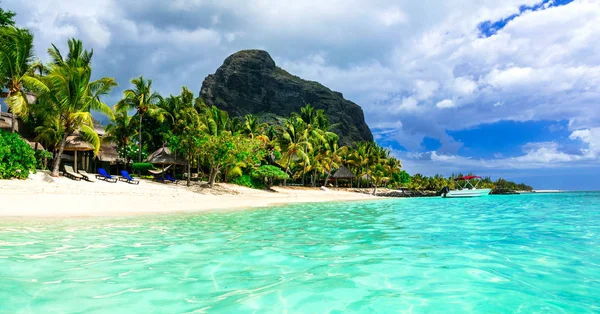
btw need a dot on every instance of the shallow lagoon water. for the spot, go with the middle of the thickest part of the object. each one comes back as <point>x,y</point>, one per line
<point>498,254</point>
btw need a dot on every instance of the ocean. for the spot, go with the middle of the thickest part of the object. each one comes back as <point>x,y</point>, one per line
<point>531,253</point>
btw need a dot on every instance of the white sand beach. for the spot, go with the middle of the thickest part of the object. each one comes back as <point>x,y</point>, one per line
<point>43,196</point>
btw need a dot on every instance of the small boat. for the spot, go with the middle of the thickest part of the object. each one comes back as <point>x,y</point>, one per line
<point>467,188</point>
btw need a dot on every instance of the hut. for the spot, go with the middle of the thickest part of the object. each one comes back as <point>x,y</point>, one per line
<point>108,158</point>
<point>163,156</point>
<point>343,173</point>
<point>76,144</point>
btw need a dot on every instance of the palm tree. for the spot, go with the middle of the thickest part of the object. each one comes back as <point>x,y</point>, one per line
<point>144,101</point>
<point>252,127</point>
<point>50,133</point>
<point>120,131</point>
<point>17,70</point>
<point>392,166</point>
<point>215,120</point>
<point>332,156</point>
<point>71,95</point>
<point>294,143</point>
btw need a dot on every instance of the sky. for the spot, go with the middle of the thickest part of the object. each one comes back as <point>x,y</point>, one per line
<point>499,88</point>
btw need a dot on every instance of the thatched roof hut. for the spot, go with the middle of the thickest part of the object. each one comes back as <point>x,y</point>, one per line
<point>163,156</point>
<point>343,173</point>
<point>35,145</point>
<point>98,127</point>
<point>76,144</point>
<point>108,153</point>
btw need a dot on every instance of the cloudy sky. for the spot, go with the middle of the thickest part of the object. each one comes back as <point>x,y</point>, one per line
<point>503,88</point>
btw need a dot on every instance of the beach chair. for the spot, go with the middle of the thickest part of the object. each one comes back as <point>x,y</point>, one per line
<point>159,178</point>
<point>86,176</point>
<point>171,179</point>
<point>102,175</point>
<point>125,177</point>
<point>71,174</point>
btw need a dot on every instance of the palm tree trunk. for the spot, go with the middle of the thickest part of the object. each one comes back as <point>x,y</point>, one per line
<point>287,169</point>
<point>56,166</point>
<point>13,127</point>
<point>213,176</point>
<point>140,139</point>
<point>375,189</point>
<point>12,123</point>
<point>328,175</point>
<point>189,170</point>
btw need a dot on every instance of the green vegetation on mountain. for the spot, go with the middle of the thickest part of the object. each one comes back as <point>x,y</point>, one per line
<point>249,82</point>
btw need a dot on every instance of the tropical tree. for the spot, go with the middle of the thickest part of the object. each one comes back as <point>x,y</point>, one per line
<point>188,131</point>
<point>120,132</point>
<point>6,18</point>
<point>226,149</point>
<point>50,133</point>
<point>17,70</point>
<point>252,126</point>
<point>268,173</point>
<point>294,143</point>
<point>71,95</point>
<point>377,174</point>
<point>144,101</point>
<point>332,156</point>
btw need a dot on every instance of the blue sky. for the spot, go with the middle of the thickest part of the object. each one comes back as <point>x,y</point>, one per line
<point>503,88</point>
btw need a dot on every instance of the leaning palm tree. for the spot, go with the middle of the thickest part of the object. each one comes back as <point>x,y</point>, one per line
<point>70,97</point>
<point>144,101</point>
<point>17,70</point>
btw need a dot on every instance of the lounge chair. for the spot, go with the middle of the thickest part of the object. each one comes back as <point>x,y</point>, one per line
<point>102,175</point>
<point>160,178</point>
<point>125,177</point>
<point>86,176</point>
<point>171,179</point>
<point>70,173</point>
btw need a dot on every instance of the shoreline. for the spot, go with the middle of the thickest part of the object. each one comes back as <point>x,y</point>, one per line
<point>41,196</point>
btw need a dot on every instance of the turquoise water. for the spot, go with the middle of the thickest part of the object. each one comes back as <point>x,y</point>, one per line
<point>499,254</point>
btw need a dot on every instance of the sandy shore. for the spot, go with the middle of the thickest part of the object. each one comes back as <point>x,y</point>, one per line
<point>42,196</point>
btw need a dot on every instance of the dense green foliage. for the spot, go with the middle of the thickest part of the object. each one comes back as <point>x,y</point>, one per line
<point>16,157</point>
<point>6,18</point>
<point>141,167</point>
<point>268,173</point>
<point>41,157</point>
<point>437,182</point>
<point>249,181</point>
<point>70,95</point>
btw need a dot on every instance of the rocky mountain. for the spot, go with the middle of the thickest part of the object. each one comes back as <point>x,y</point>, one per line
<point>250,82</point>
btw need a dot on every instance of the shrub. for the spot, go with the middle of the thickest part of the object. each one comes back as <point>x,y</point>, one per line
<point>141,167</point>
<point>268,173</point>
<point>248,181</point>
<point>17,158</point>
<point>42,157</point>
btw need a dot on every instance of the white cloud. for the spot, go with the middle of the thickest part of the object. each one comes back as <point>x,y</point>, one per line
<point>446,103</point>
<point>591,137</point>
<point>392,17</point>
<point>464,86</point>
<point>399,62</point>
